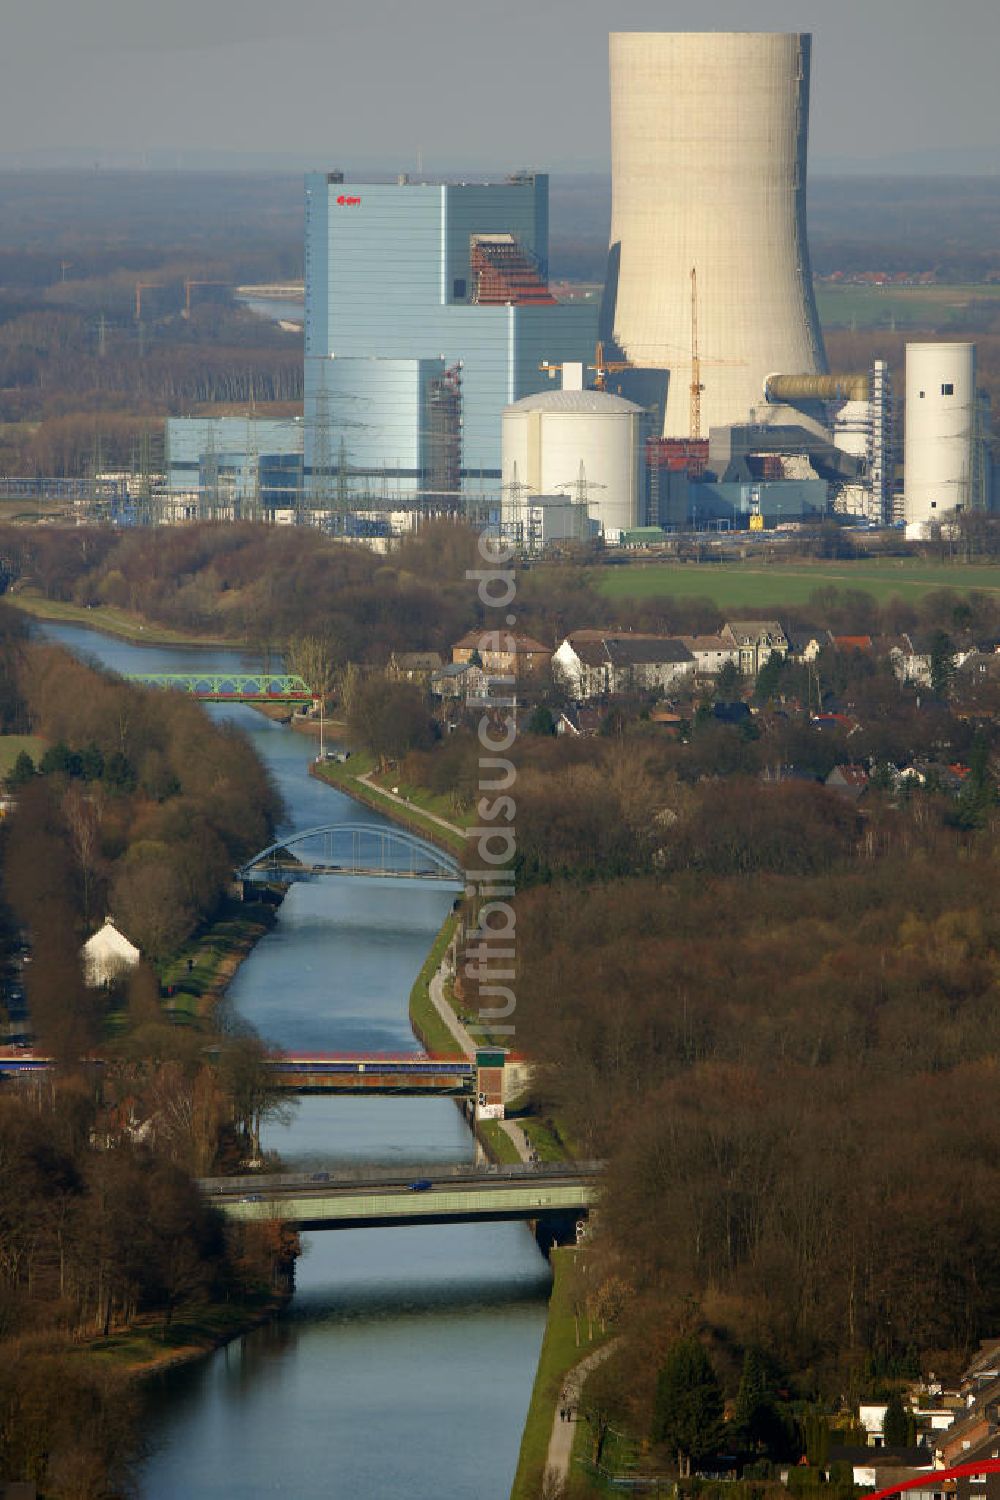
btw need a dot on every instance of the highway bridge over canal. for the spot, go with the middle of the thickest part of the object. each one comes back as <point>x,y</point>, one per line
<point>431,1195</point>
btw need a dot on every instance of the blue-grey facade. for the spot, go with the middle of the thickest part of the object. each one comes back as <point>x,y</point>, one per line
<point>392,302</point>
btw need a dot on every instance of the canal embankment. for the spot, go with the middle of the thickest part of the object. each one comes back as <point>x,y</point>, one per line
<point>123,624</point>
<point>355,778</point>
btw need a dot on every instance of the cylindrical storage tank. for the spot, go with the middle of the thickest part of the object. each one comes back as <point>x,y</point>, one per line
<point>938,457</point>
<point>708,173</point>
<point>585,444</point>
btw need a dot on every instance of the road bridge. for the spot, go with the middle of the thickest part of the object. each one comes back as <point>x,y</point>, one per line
<point>426,1195</point>
<point>230,687</point>
<point>355,849</point>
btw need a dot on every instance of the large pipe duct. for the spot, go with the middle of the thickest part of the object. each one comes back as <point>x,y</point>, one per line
<point>790,389</point>
<point>708,163</point>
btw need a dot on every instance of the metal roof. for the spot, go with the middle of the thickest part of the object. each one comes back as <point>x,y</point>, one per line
<point>588,403</point>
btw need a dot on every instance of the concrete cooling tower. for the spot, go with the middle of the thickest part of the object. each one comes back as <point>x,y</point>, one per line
<point>708,163</point>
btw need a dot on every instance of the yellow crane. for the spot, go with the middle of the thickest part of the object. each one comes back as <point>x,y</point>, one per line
<point>140,287</point>
<point>697,361</point>
<point>601,367</point>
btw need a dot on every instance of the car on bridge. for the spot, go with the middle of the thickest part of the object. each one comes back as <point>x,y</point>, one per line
<point>421,1185</point>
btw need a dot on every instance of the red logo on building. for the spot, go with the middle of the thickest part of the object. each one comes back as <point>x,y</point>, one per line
<point>346,202</point>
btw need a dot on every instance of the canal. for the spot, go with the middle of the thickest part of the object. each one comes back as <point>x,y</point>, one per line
<point>404,1363</point>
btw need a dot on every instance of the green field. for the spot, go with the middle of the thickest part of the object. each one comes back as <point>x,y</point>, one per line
<point>899,307</point>
<point>11,746</point>
<point>754,585</point>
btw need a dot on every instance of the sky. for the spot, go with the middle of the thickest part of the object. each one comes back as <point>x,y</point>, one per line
<point>431,84</point>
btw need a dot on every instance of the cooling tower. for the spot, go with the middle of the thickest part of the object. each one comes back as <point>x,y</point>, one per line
<point>708,163</point>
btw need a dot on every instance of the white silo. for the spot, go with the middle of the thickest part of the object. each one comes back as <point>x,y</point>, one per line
<point>940,468</point>
<point>586,444</point>
<point>708,171</point>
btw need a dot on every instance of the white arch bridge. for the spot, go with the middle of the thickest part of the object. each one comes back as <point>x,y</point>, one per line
<point>352,849</point>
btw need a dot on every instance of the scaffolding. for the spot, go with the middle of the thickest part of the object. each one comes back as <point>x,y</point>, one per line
<point>443,453</point>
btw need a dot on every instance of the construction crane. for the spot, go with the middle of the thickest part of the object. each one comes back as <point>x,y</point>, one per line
<point>187,292</point>
<point>697,361</point>
<point>696,385</point>
<point>140,287</point>
<point>601,367</point>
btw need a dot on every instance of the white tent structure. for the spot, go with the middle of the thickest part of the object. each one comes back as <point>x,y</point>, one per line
<point>107,956</point>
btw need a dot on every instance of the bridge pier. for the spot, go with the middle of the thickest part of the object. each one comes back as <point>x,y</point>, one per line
<point>557,1229</point>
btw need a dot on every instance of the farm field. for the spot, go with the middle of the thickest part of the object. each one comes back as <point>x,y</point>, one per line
<point>923,307</point>
<point>11,746</point>
<point>752,585</point>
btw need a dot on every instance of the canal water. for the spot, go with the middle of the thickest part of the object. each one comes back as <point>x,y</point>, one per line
<point>405,1361</point>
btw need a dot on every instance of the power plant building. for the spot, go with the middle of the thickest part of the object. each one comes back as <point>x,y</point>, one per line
<point>587,445</point>
<point>427,312</point>
<point>709,279</point>
<point>946,447</point>
<point>232,468</point>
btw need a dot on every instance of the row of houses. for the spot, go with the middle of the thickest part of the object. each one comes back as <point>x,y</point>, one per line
<point>594,663</point>
<point>953,1427</point>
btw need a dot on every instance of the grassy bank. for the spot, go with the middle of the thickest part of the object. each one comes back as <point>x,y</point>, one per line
<point>757,584</point>
<point>431,1031</point>
<point>560,1352</point>
<point>214,955</point>
<point>117,622</point>
<point>345,776</point>
<point>148,1347</point>
<point>497,1143</point>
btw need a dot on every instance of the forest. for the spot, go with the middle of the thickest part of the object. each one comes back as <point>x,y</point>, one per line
<point>140,807</point>
<point>265,586</point>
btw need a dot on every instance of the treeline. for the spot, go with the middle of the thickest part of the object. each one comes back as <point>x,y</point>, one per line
<point>265,586</point>
<point>140,806</point>
<point>146,813</point>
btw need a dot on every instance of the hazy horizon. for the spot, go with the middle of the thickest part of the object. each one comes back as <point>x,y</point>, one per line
<point>901,86</point>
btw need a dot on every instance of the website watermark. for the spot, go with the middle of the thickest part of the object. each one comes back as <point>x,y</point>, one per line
<point>491,944</point>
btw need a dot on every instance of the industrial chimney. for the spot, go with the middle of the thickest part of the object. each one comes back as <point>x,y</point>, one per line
<point>708,273</point>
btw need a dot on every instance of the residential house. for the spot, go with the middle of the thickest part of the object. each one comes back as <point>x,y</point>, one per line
<point>459,682</point>
<point>756,641</point>
<point>590,664</point>
<point>413,666</point>
<point>710,653</point>
<point>850,781</point>
<point>107,956</point>
<point>982,1370</point>
<point>973,1426</point>
<point>581,720</point>
<point>501,653</point>
<point>863,644</point>
<point>805,645</point>
<point>912,657</point>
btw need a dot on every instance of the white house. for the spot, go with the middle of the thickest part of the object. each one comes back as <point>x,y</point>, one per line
<point>595,664</point>
<point>107,956</point>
